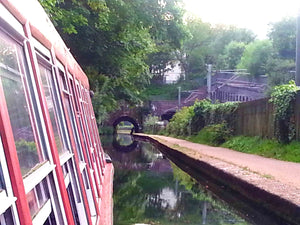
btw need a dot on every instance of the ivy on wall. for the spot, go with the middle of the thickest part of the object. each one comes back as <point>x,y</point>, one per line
<point>207,113</point>
<point>283,97</point>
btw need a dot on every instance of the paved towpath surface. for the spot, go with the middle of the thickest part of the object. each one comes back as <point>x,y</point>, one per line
<point>279,177</point>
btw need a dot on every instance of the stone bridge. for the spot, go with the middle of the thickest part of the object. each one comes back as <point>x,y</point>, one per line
<point>126,113</point>
<point>165,109</point>
<point>225,86</point>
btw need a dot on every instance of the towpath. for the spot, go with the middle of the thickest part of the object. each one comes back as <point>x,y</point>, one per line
<point>278,177</point>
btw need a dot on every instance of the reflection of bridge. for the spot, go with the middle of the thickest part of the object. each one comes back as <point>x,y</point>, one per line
<point>126,149</point>
<point>165,109</point>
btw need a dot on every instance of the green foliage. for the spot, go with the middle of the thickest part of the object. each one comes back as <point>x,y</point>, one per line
<point>207,44</point>
<point>223,35</point>
<point>191,184</point>
<point>180,123</point>
<point>190,120</point>
<point>232,54</point>
<point>169,91</point>
<point>161,92</point>
<point>106,130</point>
<point>256,56</point>
<point>25,146</point>
<point>283,36</point>
<point>103,100</point>
<point>151,124</point>
<point>283,97</point>
<point>207,113</point>
<point>279,71</point>
<point>116,41</point>
<point>195,47</point>
<point>265,147</point>
<point>213,134</point>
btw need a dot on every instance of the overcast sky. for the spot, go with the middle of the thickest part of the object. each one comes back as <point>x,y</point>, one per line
<point>251,14</point>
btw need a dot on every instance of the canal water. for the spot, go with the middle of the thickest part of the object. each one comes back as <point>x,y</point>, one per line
<point>150,189</point>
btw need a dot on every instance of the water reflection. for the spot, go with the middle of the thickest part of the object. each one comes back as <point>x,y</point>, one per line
<point>124,143</point>
<point>149,189</point>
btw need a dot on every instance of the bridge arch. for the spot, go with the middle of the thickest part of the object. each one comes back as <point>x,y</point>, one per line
<point>129,119</point>
<point>168,115</point>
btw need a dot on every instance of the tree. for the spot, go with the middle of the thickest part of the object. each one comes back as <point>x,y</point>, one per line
<point>233,53</point>
<point>256,56</point>
<point>280,71</point>
<point>283,36</point>
<point>114,41</point>
<point>192,54</point>
<point>222,36</point>
<point>207,45</point>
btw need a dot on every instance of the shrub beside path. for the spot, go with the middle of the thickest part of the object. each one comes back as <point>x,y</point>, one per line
<point>277,177</point>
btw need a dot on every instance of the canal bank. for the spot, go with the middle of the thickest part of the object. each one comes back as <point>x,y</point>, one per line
<point>272,186</point>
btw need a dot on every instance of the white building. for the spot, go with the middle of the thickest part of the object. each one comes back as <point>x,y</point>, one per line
<point>173,72</point>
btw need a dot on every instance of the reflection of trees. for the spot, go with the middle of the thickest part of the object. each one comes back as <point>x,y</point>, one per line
<point>211,210</point>
<point>17,105</point>
<point>124,139</point>
<point>8,55</point>
<point>27,154</point>
<point>139,196</point>
<point>129,199</point>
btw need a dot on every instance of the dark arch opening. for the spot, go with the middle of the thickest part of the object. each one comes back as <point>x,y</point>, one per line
<point>129,119</point>
<point>168,115</point>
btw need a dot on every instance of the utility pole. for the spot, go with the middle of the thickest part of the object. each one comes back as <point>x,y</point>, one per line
<point>208,80</point>
<point>297,78</point>
<point>179,97</point>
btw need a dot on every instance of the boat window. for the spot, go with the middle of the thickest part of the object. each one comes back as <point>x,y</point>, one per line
<point>12,77</point>
<point>46,76</point>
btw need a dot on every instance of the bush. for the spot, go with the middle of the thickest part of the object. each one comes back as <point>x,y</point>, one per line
<point>213,134</point>
<point>106,130</point>
<point>283,97</point>
<point>180,123</point>
<point>207,113</point>
<point>151,125</point>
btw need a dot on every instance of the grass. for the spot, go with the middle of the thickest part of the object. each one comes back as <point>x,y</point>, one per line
<point>254,145</point>
<point>265,147</point>
<point>170,91</point>
<point>211,135</point>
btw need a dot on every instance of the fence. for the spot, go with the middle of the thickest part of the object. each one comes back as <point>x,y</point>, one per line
<point>256,118</point>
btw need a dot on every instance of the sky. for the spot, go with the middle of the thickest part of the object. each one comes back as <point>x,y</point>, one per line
<point>252,14</point>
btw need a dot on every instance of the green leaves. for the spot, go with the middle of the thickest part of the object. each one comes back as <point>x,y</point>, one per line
<point>283,36</point>
<point>256,56</point>
<point>282,97</point>
<point>115,41</point>
<point>180,123</point>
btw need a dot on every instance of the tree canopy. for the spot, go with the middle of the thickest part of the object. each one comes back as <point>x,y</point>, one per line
<point>207,44</point>
<point>116,41</point>
<point>283,36</point>
<point>256,56</point>
<point>123,45</point>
